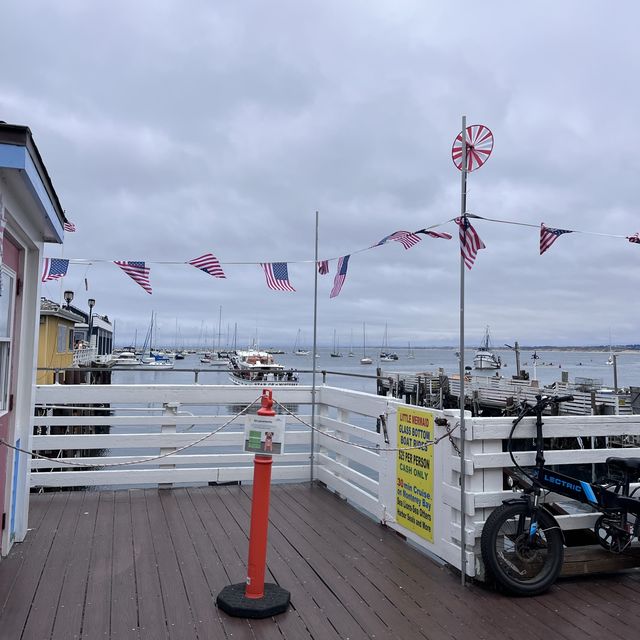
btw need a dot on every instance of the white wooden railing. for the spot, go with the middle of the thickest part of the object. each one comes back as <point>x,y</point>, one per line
<point>152,419</point>
<point>84,357</point>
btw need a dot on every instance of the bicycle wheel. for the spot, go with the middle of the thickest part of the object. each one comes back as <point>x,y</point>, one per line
<point>520,564</point>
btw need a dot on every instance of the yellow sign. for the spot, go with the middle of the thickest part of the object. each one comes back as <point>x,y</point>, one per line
<point>414,472</point>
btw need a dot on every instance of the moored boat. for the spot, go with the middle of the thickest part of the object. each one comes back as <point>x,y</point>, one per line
<point>255,367</point>
<point>484,358</point>
<point>125,359</point>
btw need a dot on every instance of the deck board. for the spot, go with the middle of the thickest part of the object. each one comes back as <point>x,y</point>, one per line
<point>149,563</point>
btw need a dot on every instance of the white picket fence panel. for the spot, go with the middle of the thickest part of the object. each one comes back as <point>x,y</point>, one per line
<point>350,457</point>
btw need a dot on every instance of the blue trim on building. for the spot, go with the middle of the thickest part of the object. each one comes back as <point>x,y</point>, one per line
<point>16,157</point>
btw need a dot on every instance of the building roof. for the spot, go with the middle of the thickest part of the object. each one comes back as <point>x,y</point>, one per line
<point>50,308</point>
<point>12,136</point>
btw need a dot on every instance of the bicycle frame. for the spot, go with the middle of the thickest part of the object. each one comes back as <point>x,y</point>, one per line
<point>595,495</point>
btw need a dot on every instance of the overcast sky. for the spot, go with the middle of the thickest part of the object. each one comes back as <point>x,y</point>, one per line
<point>175,128</point>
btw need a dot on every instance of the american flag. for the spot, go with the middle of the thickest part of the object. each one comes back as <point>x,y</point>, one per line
<point>323,267</point>
<point>209,264</point>
<point>436,234</point>
<point>54,269</point>
<point>548,236</point>
<point>137,271</point>
<point>470,242</point>
<point>341,275</point>
<point>635,238</point>
<point>69,226</point>
<point>405,238</point>
<point>277,276</point>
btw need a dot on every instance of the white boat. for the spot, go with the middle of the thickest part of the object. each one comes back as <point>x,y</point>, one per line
<point>484,357</point>
<point>410,354</point>
<point>254,367</point>
<point>336,348</point>
<point>297,350</point>
<point>125,359</point>
<point>155,362</point>
<point>365,359</point>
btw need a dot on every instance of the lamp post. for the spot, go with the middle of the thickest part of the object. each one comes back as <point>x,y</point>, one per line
<point>68,297</point>
<point>91,302</point>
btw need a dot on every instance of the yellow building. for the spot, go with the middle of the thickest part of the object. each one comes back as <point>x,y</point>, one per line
<point>55,342</point>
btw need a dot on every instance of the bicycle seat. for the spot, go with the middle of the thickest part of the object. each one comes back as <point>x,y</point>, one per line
<point>625,464</point>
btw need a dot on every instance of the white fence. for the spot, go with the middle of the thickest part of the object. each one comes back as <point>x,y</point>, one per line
<point>351,458</point>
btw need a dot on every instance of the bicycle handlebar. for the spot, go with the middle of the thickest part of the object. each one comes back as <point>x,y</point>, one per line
<point>558,399</point>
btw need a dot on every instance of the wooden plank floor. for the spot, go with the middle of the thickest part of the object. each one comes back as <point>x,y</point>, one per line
<point>148,564</point>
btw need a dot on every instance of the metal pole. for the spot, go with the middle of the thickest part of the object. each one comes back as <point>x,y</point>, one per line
<point>615,372</point>
<point>315,366</point>
<point>463,429</point>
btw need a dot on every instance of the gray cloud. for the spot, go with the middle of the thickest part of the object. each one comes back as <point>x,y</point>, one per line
<point>172,129</point>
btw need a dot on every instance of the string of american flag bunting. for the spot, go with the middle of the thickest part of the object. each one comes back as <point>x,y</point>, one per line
<point>277,273</point>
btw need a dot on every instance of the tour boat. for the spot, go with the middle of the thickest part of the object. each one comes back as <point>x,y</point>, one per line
<point>254,367</point>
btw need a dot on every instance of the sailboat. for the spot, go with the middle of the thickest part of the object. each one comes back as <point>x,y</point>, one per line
<point>610,358</point>
<point>385,354</point>
<point>297,350</point>
<point>351,353</point>
<point>151,360</point>
<point>410,354</point>
<point>364,359</point>
<point>336,349</point>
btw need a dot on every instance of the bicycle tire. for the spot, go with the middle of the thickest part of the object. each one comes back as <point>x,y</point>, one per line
<point>518,565</point>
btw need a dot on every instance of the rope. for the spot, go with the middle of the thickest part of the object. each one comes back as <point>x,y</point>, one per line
<point>424,446</point>
<point>131,462</point>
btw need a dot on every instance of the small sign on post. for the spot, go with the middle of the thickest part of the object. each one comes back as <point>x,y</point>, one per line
<point>264,434</point>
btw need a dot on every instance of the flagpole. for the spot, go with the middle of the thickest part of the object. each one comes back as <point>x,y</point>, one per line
<point>315,366</point>
<point>463,430</point>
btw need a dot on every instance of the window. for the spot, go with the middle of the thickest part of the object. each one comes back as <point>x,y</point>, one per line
<point>6,313</point>
<point>63,338</point>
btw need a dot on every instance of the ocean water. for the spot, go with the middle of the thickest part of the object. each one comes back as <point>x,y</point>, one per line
<point>550,366</point>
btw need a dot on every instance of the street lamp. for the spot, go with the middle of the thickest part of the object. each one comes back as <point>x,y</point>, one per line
<point>68,297</point>
<point>91,302</point>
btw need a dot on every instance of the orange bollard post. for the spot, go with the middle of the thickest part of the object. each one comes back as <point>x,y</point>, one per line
<point>257,599</point>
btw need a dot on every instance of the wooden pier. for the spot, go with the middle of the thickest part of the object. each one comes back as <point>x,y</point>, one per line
<point>496,395</point>
<point>148,564</point>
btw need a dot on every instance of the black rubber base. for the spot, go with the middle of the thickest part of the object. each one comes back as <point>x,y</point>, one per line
<point>233,601</point>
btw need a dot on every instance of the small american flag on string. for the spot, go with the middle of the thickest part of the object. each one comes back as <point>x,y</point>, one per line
<point>436,234</point>
<point>209,264</point>
<point>323,267</point>
<point>277,276</point>
<point>549,235</point>
<point>54,269</point>
<point>635,238</point>
<point>341,275</point>
<point>137,271</point>
<point>405,238</point>
<point>69,226</point>
<point>470,242</point>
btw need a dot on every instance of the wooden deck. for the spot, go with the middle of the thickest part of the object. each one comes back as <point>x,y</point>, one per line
<point>149,563</point>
